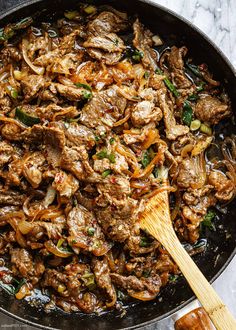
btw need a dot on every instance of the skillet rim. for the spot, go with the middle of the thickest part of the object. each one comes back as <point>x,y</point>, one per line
<point>212,44</point>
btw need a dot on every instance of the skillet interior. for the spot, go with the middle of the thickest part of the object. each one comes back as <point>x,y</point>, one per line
<point>220,250</point>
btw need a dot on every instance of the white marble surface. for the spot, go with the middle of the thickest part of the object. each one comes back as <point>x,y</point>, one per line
<point>217,19</point>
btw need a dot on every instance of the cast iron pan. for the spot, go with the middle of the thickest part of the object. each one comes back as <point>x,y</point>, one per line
<point>221,244</point>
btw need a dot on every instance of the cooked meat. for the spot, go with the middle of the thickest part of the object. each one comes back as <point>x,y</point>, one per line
<point>52,111</point>
<point>6,152</point>
<point>103,279</point>
<point>173,130</point>
<point>25,265</point>
<point>9,54</point>
<point>77,135</point>
<point>106,22</point>
<point>109,43</point>
<point>11,132</point>
<point>85,233</point>
<point>5,101</point>
<point>225,188</point>
<point>92,121</point>
<point>211,110</point>
<point>188,174</point>
<point>144,113</point>
<point>31,85</point>
<point>104,109</point>
<point>76,161</point>
<point>70,93</point>
<point>143,42</point>
<point>11,197</point>
<point>176,64</point>
<point>107,48</point>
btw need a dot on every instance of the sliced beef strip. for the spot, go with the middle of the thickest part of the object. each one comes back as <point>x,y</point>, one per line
<point>11,197</point>
<point>52,137</point>
<point>77,135</point>
<point>106,22</point>
<point>85,233</point>
<point>11,132</point>
<point>144,113</point>
<point>10,53</point>
<point>187,173</point>
<point>5,101</point>
<point>105,57</point>
<point>53,111</point>
<point>114,187</point>
<point>6,152</point>
<point>118,219</point>
<point>104,109</point>
<point>70,93</point>
<point>151,284</point>
<point>107,49</point>
<point>26,266</point>
<point>103,279</point>
<point>211,110</point>
<point>31,84</point>
<point>224,187</point>
<point>87,302</point>
<point>76,161</point>
<point>109,43</point>
<point>176,64</point>
<point>173,130</point>
<point>143,42</point>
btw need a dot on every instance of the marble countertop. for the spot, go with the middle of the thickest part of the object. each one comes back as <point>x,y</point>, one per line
<point>217,19</point>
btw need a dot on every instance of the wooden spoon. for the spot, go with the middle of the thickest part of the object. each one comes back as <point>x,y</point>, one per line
<point>156,220</point>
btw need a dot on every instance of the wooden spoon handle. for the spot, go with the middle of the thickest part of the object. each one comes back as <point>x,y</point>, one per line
<point>213,305</point>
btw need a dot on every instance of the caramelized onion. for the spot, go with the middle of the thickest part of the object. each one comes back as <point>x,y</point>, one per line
<point>52,248</point>
<point>25,227</point>
<point>142,295</point>
<point>151,138</point>
<point>36,69</point>
<point>186,149</point>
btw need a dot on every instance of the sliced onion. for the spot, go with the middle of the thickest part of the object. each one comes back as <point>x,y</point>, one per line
<point>25,227</point>
<point>50,196</point>
<point>38,70</point>
<point>56,251</point>
<point>186,149</point>
<point>20,239</point>
<point>201,146</point>
<point>142,295</point>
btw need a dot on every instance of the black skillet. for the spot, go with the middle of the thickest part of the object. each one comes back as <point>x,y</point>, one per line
<point>221,244</point>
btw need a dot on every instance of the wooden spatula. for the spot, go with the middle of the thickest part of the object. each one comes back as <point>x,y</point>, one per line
<point>156,220</point>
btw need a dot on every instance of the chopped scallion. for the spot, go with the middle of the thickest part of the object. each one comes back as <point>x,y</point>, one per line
<point>106,173</point>
<point>187,113</point>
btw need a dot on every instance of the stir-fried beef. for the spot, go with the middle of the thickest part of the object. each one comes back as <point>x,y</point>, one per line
<point>31,85</point>
<point>103,278</point>
<point>224,188</point>
<point>143,42</point>
<point>92,120</point>
<point>26,266</point>
<point>106,22</point>
<point>176,63</point>
<point>173,130</point>
<point>211,110</point>
<point>104,109</point>
<point>85,233</point>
